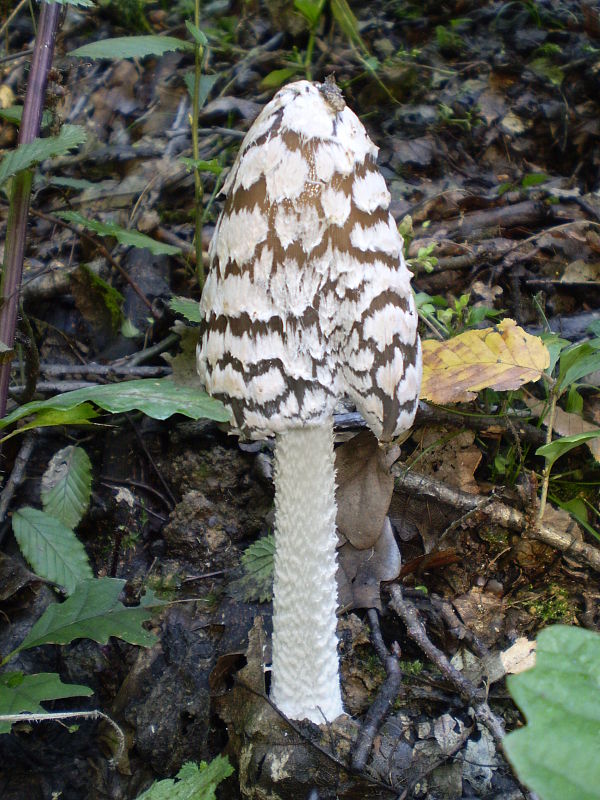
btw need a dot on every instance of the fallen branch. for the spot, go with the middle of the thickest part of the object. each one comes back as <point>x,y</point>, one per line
<point>386,696</point>
<point>468,691</point>
<point>497,512</point>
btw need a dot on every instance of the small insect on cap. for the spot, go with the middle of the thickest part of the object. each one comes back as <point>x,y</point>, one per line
<point>308,298</point>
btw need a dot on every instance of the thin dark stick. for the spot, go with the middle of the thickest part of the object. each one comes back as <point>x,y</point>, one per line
<point>105,252</point>
<point>21,190</point>
<point>17,474</point>
<point>469,692</point>
<point>385,699</point>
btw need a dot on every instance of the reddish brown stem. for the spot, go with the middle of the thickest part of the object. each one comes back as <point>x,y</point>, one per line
<point>21,189</point>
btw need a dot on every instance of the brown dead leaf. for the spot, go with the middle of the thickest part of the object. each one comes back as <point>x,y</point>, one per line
<point>361,571</point>
<point>566,423</point>
<point>504,357</point>
<point>450,457</point>
<point>364,490</point>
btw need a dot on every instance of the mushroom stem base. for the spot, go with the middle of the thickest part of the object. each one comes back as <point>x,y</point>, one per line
<point>305,678</point>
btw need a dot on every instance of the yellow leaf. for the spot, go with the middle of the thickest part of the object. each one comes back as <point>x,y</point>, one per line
<point>504,357</point>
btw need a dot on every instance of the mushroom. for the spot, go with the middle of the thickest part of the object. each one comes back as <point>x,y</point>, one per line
<point>308,300</point>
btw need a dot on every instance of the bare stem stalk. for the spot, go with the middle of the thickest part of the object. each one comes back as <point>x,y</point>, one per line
<point>21,186</point>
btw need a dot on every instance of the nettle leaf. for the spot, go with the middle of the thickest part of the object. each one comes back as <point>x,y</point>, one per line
<point>188,308</point>
<point>131,47</point>
<point>27,155</point>
<point>23,693</point>
<point>122,235</point>
<point>556,754</point>
<point>67,485</point>
<point>193,782</point>
<point>94,612</point>
<point>256,582</point>
<point>52,549</point>
<point>501,358</point>
<point>158,399</point>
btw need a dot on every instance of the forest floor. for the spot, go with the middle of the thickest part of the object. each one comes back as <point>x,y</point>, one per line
<point>487,119</point>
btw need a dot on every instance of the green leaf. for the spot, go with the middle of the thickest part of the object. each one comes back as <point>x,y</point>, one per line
<point>534,179</point>
<point>205,86</point>
<point>67,485</point>
<point>70,183</point>
<point>556,754</point>
<point>131,47</point>
<point>50,417</point>
<point>158,399</point>
<point>256,584</point>
<point>348,23</point>
<point>21,693</point>
<point>311,10</point>
<point>26,155</point>
<point>578,361</point>
<point>193,782</point>
<point>13,115</point>
<point>546,69</point>
<point>551,452</point>
<point>94,612</point>
<point>203,166</point>
<point>190,309</point>
<point>277,77</point>
<point>122,235</point>
<point>52,549</point>
<point>197,35</point>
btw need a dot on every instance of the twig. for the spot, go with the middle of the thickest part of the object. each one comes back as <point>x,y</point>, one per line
<point>12,15</point>
<point>474,696</point>
<point>60,715</point>
<point>548,466</point>
<point>104,369</point>
<point>497,512</point>
<point>15,56</point>
<point>104,251</point>
<point>149,352</point>
<point>17,474</point>
<point>386,696</point>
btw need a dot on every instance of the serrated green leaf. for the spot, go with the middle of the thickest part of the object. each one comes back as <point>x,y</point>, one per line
<point>131,47</point>
<point>122,235</point>
<point>70,183</point>
<point>205,86</point>
<point>188,308</point>
<point>26,155</point>
<point>52,549</point>
<point>23,693</point>
<point>158,398</point>
<point>556,754</point>
<point>551,452</point>
<point>94,612</point>
<point>67,485</point>
<point>193,782</point>
<point>256,582</point>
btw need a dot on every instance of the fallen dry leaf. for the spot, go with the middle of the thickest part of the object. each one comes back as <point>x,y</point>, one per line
<point>504,357</point>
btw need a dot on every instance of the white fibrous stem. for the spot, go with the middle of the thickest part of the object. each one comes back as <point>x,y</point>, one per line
<point>305,677</point>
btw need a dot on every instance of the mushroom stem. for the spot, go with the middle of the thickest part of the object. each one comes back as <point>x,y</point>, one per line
<point>305,678</point>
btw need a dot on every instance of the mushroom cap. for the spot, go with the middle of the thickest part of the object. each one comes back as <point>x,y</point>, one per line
<point>308,297</point>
